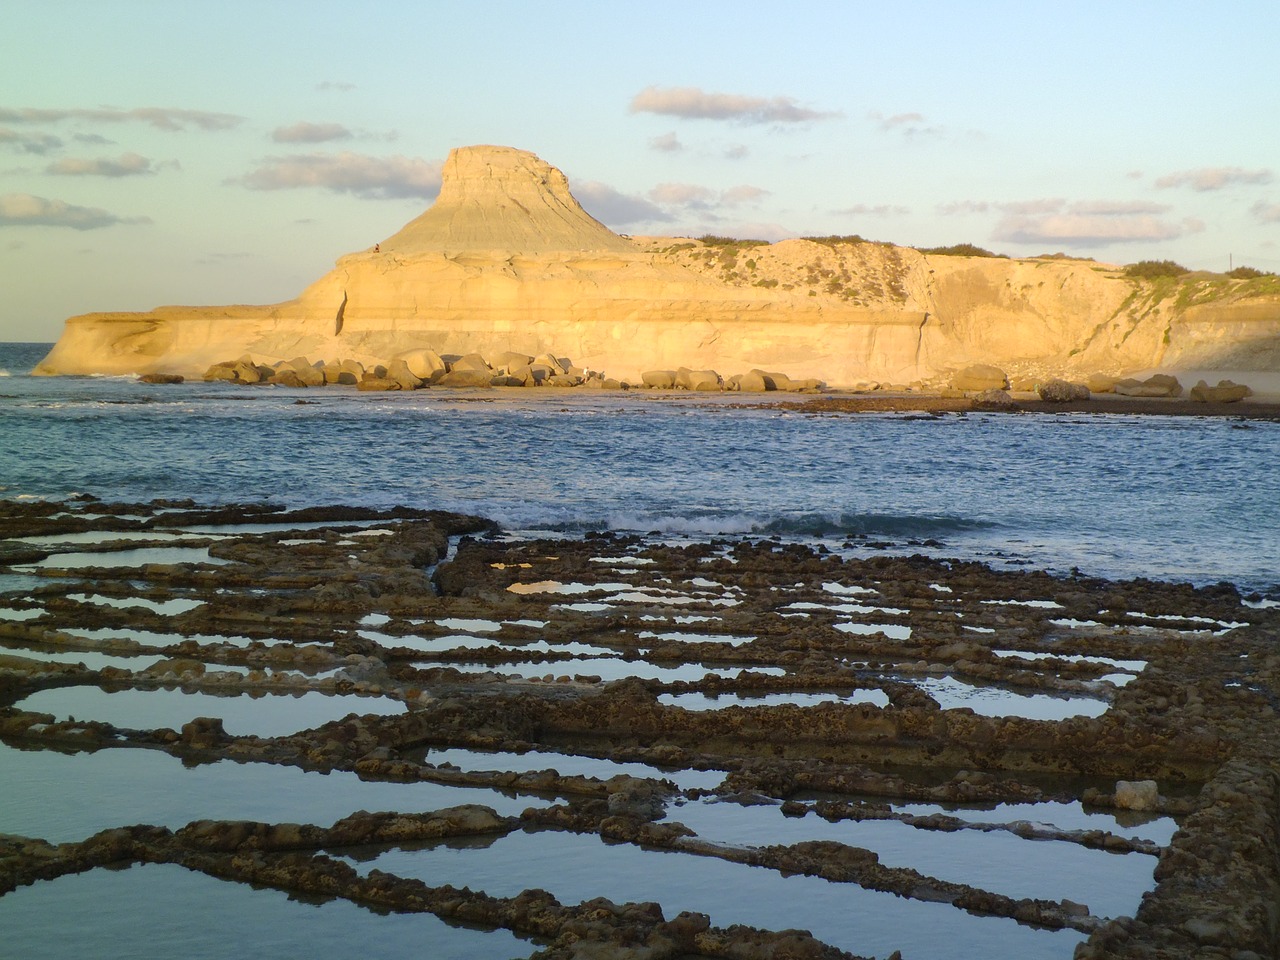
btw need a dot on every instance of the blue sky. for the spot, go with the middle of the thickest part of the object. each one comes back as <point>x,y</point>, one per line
<point>173,152</point>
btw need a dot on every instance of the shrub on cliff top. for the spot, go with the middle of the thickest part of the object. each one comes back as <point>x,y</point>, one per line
<point>1248,273</point>
<point>961,250</point>
<point>1154,269</point>
<point>711,240</point>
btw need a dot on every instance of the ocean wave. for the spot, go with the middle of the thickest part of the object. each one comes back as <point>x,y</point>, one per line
<point>912,526</point>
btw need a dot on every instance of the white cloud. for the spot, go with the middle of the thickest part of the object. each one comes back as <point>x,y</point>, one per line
<point>127,165</point>
<point>617,209</point>
<point>1117,208</point>
<point>303,132</point>
<point>364,176</point>
<point>692,103</point>
<point>667,143</point>
<point>162,118</point>
<point>1213,178</point>
<point>958,207</point>
<point>25,210</point>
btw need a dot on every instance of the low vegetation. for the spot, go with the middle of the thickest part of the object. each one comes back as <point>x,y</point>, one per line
<point>1154,269</point>
<point>961,250</point>
<point>1248,273</point>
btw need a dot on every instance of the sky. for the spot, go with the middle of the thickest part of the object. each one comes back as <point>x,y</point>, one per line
<point>170,152</point>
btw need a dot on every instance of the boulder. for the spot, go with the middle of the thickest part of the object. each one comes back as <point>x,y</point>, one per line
<point>309,375</point>
<point>398,371</point>
<point>980,377</point>
<point>705,380</point>
<point>562,380</point>
<point>994,400</point>
<point>466,378</point>
<point>659,379</point>
<point>1159,385</point>
<point>506,380</point>
<point>774,381</point>
<point>1225,392</point>
<point>1101,383</point>
<point>1023,385</point>
<point>472,361</point>
<point>509,362</point>
<point>423,363</point>
<point>557,366</point>
<point>161,378</point>
<point>371,383</point>
<point>286,376</point>
<point>752,382</point>
<point>354,368</point>
<point>1063,391</point>
<point>1137,795</point>
<point>332,373</point>
<point>225,370</point>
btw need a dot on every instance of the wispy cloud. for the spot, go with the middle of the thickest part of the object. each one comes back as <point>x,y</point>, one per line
<point>25,210</point>
<point>363,176</point>
<point>693,103</point>
<point>1096,223</point>
<point>126,165</point>
<point>1266,212</point>
<point>162,118</point>
<point>611,206</point>
<point>873,210</point>
<point>667,143</point>
<point>1214,178</point>
<point>37,143</point>
<point>743,193</point>
<point>682,194</point>
<point>907,124</point>
<point>692,196</point>
<point>736,152</point>
<point>303,132</point>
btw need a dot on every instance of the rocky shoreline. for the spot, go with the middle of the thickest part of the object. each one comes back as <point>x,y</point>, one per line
<point>584,641</point>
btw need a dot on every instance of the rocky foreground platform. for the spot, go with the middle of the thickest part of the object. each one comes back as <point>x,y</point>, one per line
<point>364,603</point>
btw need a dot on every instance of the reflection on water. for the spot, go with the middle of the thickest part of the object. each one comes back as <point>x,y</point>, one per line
<point>1110,884</point>
<point>163,910</point>
<point>43,793</point>
<point>270,715</point>
<point>577,867</point>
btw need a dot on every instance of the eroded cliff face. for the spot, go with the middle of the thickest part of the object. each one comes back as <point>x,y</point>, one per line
<point>506,260</point>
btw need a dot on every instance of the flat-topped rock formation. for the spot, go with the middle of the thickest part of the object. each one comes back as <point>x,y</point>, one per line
<point>506,260</point>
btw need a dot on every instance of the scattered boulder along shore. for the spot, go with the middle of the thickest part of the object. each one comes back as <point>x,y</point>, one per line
<point>507,260</point>
<point>817,681</point>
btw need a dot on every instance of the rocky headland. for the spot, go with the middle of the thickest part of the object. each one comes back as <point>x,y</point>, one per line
<point>506,264</point>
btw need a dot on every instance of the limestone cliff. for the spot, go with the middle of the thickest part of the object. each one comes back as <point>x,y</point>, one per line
<point>506,260</point>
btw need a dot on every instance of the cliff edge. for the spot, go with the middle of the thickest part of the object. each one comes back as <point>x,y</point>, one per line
<point>506,260</point>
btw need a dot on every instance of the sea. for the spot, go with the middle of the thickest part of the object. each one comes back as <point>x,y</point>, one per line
<point>1188,499</point>
<point>1168,498</point>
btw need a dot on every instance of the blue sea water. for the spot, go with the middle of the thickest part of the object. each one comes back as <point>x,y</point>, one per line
<point>1119,496</point>
<point>1172,498</point>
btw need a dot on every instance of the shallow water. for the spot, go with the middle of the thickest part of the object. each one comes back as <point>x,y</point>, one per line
<point>270,715</point>
<point>577,867</point>
<point>1110,884</point>
<point>43,793</point>
<point>96,915</point>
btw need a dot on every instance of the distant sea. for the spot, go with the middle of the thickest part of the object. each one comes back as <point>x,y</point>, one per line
<point>1187,498</point>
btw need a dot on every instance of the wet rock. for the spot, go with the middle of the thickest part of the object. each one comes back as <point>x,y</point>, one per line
<point>162,378</point>
<point>203,732</point>
<point>1062,391</point>
<point>1138,795</point>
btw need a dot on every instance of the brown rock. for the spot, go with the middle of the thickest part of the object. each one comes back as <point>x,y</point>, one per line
<point>1062,391</point>
<point>160,378</point>
<point>979,377</point>
<point>1225,392</point>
